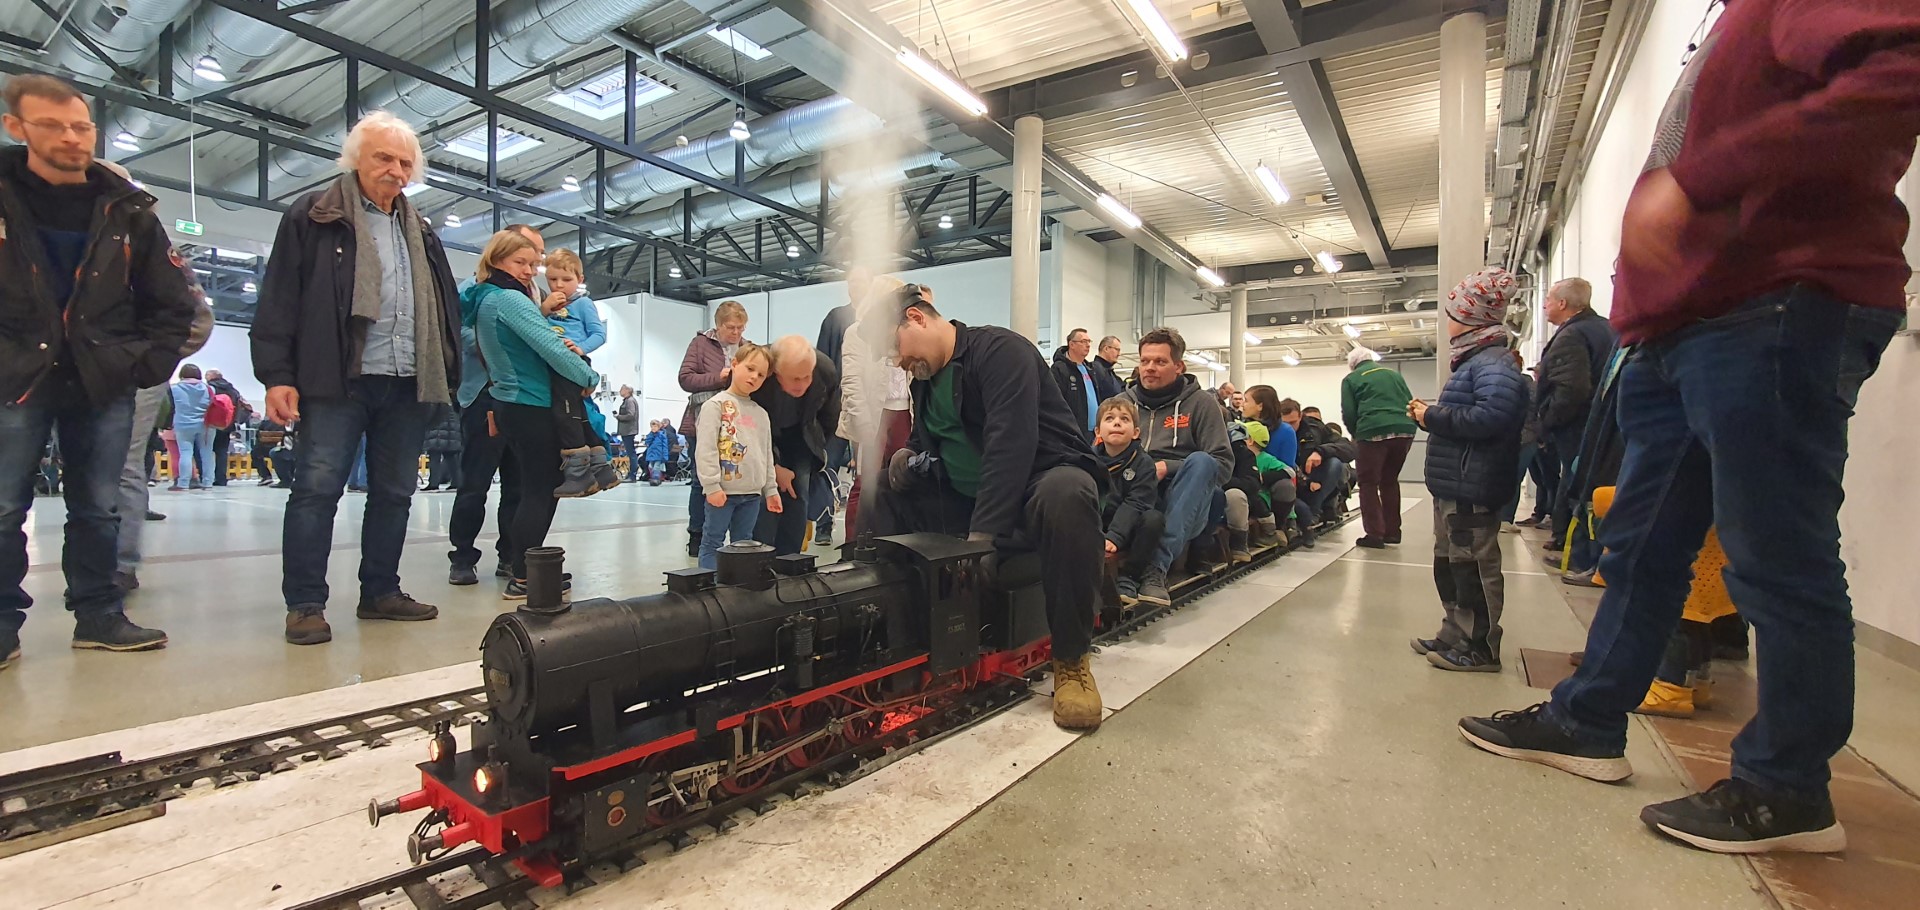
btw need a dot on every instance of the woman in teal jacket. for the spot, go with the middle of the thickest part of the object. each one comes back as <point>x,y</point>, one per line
<point>519,348</point>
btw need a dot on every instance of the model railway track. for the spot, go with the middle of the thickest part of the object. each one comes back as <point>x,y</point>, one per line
<point>503,886</point>
<point>61,802</point>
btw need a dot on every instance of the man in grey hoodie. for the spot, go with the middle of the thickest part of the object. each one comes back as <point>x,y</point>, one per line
<point>1184,430</point>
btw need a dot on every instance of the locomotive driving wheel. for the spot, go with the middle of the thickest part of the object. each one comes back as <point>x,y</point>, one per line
<point>763,731</point>
<point>804,721</point>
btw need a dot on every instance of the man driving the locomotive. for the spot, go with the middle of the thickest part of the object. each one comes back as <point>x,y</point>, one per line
<point>996,456</point>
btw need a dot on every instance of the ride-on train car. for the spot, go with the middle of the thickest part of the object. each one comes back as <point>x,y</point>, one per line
<point>610,718</point>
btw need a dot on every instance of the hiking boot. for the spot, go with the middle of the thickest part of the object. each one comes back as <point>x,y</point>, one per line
<point>1266,532</point>
<point>605,476</point>
<point>693,544</point>
<point>576,474</point>
<point>1307,541</point>
<point>1588,579</point>
<point>1294,539</point>
<point>1463,660</point>
<point>462,575</point>
<point>1128,590</point>
<point>115,632</point>
<point>1737,816</point>
<point>9,649</point>
<point>308,626</point>
<point>1429,645</point>
<point>1153,588</point>
<point>1534,734</point>
<point>1238,554</point>
<point>1664,699</point>
<point>1371,543</point>
<point>1076,700</point>
<point>396,606</point>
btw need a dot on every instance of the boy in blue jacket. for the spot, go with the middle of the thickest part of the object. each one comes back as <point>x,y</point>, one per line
<point>1473,457</point>
<point>577,321</point>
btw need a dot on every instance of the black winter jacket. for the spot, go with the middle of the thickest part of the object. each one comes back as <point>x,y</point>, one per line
<point>1571,367</point>
<point>1105,380</point>
<point>817,414</point>
<point>1072,388</point>
<point>1132,491</point>
<point>1015,418</point>
<point>1316,437</point>
<point>443,438</point>
<point>1473,442</point>
<point>303,332</point>
<point>131,308</point>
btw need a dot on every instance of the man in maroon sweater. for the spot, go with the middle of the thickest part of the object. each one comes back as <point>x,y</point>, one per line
<point>1760,278</point>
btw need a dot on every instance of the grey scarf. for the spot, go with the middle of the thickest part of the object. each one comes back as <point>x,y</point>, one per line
<point>431,350</point>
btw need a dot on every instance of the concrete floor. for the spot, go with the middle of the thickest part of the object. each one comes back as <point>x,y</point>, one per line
<point>1308,760</point>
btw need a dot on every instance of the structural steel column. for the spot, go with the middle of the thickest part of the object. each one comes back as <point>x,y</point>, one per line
<point>1463,157</point>
<point>1026,227</point>
<point>1237,352</point>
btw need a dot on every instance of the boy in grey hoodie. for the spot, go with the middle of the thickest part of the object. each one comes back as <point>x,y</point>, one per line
<point>1185,431</point>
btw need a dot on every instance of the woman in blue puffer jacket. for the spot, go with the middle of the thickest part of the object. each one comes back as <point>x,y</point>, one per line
<point>1473,452</point>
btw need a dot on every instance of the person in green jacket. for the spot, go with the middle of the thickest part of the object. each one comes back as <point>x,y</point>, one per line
<point>522,354</point>
<point>1373,405</point>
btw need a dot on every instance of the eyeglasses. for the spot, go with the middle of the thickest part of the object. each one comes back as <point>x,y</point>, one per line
<point>57,128</point>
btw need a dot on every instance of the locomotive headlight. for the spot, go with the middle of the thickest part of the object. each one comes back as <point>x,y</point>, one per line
<point>487,777</point>
<point>440,748</point>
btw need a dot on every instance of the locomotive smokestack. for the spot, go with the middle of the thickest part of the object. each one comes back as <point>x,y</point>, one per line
<point>544,572</point>
<point>746,564</point>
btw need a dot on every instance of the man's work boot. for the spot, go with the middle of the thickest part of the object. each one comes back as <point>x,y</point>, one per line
<point>308,626</point>
<point>605,476</point>
<point>115,632</point>
<point>576,474</point>
<point>396,606</point>
<point>1076,700</point>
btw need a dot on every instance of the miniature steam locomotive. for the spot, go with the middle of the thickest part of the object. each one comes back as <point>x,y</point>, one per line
<point>611,718</point>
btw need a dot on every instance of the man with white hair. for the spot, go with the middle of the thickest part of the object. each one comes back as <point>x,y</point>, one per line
<point>356,335</point>
<point>803,406</point>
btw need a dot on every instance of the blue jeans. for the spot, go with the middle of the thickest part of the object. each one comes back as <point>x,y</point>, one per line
<point>358,477</point>
<point>384,409</point>
<point>656,471</point>
<point>196,453</point>
<point>1189,504</point>
<point>93,448</point>
<point>1331,475</point>
<point>1527,453</point>
<point>736,520</point>
<point>1738,421</point>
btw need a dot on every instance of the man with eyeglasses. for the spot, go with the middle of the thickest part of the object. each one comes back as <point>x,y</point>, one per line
<point>95,307</point>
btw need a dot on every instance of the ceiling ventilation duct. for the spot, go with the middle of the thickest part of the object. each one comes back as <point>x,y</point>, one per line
<point>127,30</point>
<point>527,34</point>
<point>799,188</point>
<point>777,137</point>
<point>237,40</point>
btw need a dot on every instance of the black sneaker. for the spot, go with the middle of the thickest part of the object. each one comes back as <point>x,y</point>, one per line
<point>127,582</point>
<point>1127,589</point>
<point>1462,660</point>
<point>517,589</point>
<point>1736,816</point>
<point>1371,543</point>
<point>1429,645</point>
<point>502,569</point>
<point>693,544</point>
<point>115,632</point>
<point>1536,736</point>
<point>1391,540</point>
<point>1153,588</point>
<point>155,516</point>
<point>462,575</point>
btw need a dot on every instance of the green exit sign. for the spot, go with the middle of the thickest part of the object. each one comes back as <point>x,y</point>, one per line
<point>189,228</point>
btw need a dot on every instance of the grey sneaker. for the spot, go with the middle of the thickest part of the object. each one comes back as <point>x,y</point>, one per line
<point>462,575</point>
<point>1581,579</point>
<point>1128,589</point>
<point>1427,645</point>
<point>1153,588</point>
<point>1463,661</point>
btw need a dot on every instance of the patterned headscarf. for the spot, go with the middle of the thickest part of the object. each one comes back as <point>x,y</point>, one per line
<point>1480,303</point>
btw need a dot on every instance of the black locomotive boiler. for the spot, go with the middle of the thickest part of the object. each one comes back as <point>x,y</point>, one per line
<point>609,718</point>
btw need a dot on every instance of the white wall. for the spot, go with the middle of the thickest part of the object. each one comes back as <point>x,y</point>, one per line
<point>1882,496</point>
<point>227,350</point>
<point>1319,386</point>
<point>1079,278</point>
<point>646,340</point>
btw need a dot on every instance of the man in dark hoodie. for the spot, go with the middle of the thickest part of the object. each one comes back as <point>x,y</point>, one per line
<point>1761,276</point>
<point>1184,429</point>
<point>996,456</point>
<point>1081,383</point>
<point>89,320</point>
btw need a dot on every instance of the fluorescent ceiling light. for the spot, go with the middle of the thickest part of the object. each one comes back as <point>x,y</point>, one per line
<point>1161,30</point>
<point>955,90</point>
<point>1328,261</point>
<point>1290,360</point>
<point>1353,331</point>
<point>571,184</point>
<point>739,43</point>
<point>793,251</point>
<point>473,144</point>
<point>602,96</point>
<point>453,220</point>
<point>250,287</point>
<point>125,142</point>
<point>415,189</point>
<point>674,272</point>
<point>739,130</point>
<point>1271,183</point>
<point>946,222</point>
<point>1194,357</point>
<point>233,255</point>
<point>1376,355</point>
<point>1250,337</point>
<point>1121,212</point>
<point>1210,276</point>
